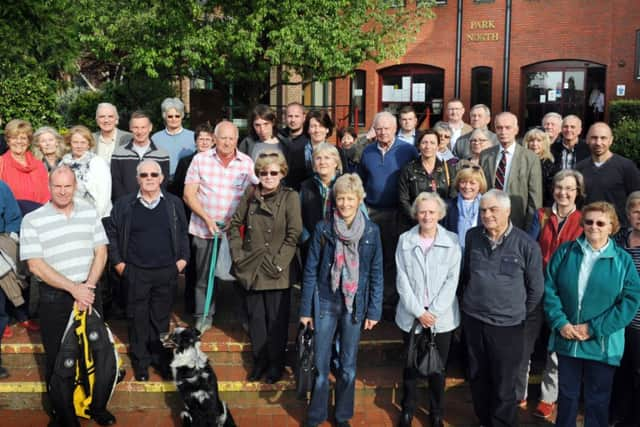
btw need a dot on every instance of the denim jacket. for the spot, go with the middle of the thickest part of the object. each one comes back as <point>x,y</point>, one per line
<point>317,273</point>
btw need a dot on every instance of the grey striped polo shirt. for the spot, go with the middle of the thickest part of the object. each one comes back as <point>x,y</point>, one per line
<point>66,244</point>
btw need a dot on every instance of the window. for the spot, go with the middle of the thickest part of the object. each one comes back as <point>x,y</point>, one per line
<point>483,1</point>
<point>481,85</point>
<point>317,94</point>
<point>638,54</point>
<point>437,2</point>
<point>358,98</point>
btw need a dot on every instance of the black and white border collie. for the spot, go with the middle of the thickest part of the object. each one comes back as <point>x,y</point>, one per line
<point>196,382</point>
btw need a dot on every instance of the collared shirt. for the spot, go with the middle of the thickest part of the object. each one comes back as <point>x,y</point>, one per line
<point>408,139</point>
<point>568,157</point>
<point>511,150</point>
<point>105,147</point>
<point>153,203</point>
<point>495,243</point>
<point>591,255</point>
<point>219,188</point>
<point>382,150</point>
<point>141,150</point>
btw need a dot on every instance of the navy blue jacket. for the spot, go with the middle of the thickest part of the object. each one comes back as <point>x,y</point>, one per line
<point>316,283</point>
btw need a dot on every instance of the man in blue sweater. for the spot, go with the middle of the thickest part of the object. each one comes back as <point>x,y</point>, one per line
<point>380,167</point>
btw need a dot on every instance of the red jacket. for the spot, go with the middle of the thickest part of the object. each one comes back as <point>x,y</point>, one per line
<point>550,238</point>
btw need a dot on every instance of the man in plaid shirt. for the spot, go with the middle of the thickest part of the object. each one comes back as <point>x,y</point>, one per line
<point>215,182</point>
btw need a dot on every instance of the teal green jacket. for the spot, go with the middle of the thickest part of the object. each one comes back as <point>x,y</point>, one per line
<point>610,301</point>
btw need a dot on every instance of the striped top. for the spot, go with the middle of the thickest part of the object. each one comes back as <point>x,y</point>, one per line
<point>622,239</point>
<point>65,244</point>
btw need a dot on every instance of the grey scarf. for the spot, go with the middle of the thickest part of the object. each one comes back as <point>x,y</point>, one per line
<point>346,262</point>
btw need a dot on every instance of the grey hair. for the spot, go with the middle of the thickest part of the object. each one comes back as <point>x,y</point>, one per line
<point>574,117</point>
<point>171,103</point>
<point>442,126</point>
<point>148,162</point>
<point>385,114</point>
<point>501,197</point>
<point>59,141</point>
<point>109,105</point>
<point>216,130</point>
<point>483,107</point>
<point>325,147</point>
<point>571,173</point>
<point>426,196</point>
<point>484,132</point>
<point>506,114</point>
<point>553,115</point>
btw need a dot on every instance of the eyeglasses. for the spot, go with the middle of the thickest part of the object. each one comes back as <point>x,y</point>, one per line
<point>473,167</point>
<point>272,173</point>
<point>598,223</point>
<point>443,136</point>
<point>272,154</point>
<point>567,189</point>
<point>171,116</point>
<point>478,140</point>
<point>147,174</point>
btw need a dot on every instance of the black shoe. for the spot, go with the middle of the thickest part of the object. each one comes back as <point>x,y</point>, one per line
<point>3,373</point>
<point>104,418</point>
<point>141,374</point>
<point>405,420</point>
<point>437,421</point>
<point>274,375</point>
<point>343,424</point>
<point>257,372</point>
<point>164,371</point>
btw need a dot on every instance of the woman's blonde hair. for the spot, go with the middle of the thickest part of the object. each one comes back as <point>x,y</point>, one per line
<point>60,148</point>
<point>468,171</point>
<point>269,157</point>
<point>349,183</point>
<point>16,126</point>
<point>325,147</point>
<point>546,143</point>
<point>607,209</point>
<point>84,132</point>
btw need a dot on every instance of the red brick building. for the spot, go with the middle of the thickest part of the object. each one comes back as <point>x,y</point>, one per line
<point>526,56</point>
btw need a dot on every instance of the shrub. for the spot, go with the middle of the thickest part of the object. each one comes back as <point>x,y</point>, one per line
<point>626,135</point>
<point>624,108</point>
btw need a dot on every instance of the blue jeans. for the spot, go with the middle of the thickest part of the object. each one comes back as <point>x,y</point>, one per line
<point>598,380</point>
<point>334,316</point>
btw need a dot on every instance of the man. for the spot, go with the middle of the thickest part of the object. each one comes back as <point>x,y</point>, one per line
<point>408,122</point>
<point>215,182</point>
<point>552,124</point>
<point>608,176</point>
<point>174,139</point>
<point>148,247</point>
<point>295,122</point>
<point>64,245</point>
<point>571,149</point>
<point>296,140</point>
<point>379,169</point>
<point>125,158</point>
<point>502,282</point>
<point>514,169</point>
<point>109,136</point>
<point>479,118</point>
<point>455,113</point>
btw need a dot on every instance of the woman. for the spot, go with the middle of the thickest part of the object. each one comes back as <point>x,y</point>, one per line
<point>93,177</point>
<point>25,175</point>
<point>428,260</point>
<point>444,139</point>
<point>592,292</point>
<point>426,173</point>
<point>48,146</point>
<point>479,141</point>
<point>270,215</point>
<point>625,401</point>
<point>560,223</point>
<point>464,210</point>
<point>342,290</point>
<point>348,142</point>
<point>538,141</point>
<point>262,134</point>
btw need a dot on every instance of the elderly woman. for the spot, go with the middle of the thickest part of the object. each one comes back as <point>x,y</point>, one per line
<point>560,223</point>
<point>270,214</point>
<point>426,173</point>
<point>341,292</point>
<point>48,146</point>
<point>25,175</point>
<point>479,140</point>
<point>262,134</point>
<point>538,141</point>
<point>464,210</point>
<point>174,139</point>
<point>93,175</point>
<point>428,259</point>
<point>592,292</point>
<point>444,139</point>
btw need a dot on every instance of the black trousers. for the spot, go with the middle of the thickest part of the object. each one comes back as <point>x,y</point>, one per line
<point>532,328</point>
<point>495,353</point>
<point>625,400</point>
<point>150,299</point>
<point>268,326</point>
<point>387,220</point>
<point>410,378</point>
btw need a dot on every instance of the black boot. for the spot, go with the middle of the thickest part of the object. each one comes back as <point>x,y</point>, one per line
<point>405,419</point>
<point>436,421</point>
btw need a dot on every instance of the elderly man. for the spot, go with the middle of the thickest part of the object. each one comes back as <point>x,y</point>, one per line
<point>148,247</point>
<point>174,139</point>
<point>479,118</point>
<point>502,282</point>
<point>571,149</point>
<point>552,123</point>
<point>455,113</point>
<point>379,169</point>
<point>64,245</point>
<point>408,122</point>
<point>608,176</point>
<point>109,136</point>
<point>125,158</point>
<point>214,185</point>
<point>514,169</point>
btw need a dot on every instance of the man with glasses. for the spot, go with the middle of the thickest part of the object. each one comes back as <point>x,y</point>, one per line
<point>174,139</point>
<point>125,158</point>
<point>213,187</point>
<point>479,118</point>
<point>608,176</point>
<point>148,247</point>
<point>455,114</point>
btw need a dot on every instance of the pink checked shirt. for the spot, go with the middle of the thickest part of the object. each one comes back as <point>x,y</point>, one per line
<point>219,188</point>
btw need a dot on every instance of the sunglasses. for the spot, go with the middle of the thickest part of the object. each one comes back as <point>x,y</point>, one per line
<point>272,154</point>
<point>474,167</point>
<point>598,223</point>
<point>147,174</point>
<point>177,116</point>
<point>272,173</point>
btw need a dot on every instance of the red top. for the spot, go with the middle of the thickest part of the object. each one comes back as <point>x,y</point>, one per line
<point>27,182</point>
<point>550,238</point>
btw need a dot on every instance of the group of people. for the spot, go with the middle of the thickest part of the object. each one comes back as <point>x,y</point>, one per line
<point>454,226</point>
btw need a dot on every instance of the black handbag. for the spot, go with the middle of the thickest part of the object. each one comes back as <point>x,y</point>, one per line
<point>423,354</point>
<point>305,372</point>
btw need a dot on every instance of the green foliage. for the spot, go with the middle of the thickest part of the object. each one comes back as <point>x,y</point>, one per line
<point>78,107</point>
<point>625,108</point>
<point>626,135</point>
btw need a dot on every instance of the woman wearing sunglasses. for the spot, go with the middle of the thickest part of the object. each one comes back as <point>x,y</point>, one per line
<point>592,292</point>
<point>479,141</point>
<point>270,216</point>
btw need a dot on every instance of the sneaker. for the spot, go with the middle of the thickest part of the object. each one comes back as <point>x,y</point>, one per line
<point>3,373</point>
<point>30,325</point>
<point>8,333</point>
<point>544,409</point>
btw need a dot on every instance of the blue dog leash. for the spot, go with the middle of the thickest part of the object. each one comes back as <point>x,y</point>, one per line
<point>212,272</point>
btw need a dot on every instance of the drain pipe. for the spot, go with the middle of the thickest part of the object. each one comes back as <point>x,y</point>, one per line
<point>507,58</point>
<point>456,86</point>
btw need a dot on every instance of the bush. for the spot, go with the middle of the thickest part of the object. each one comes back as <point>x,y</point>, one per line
<point>78,107</point>
<point>624,108</point>
<point>626,134</point>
